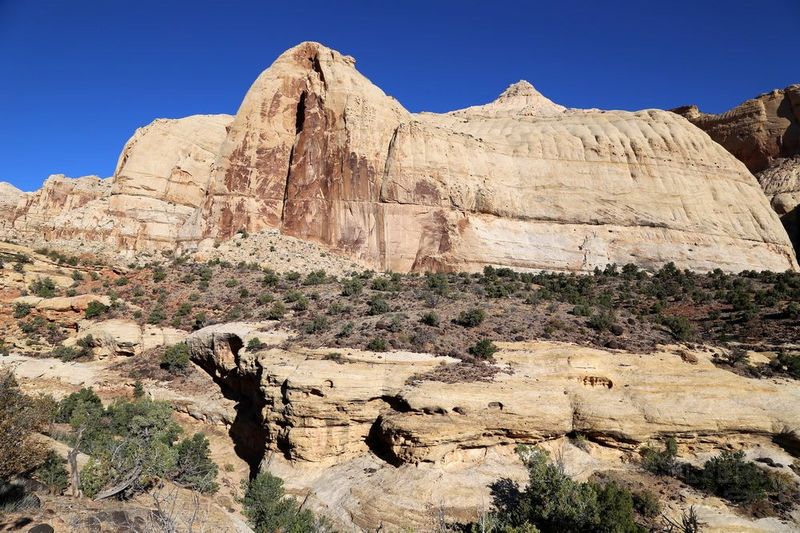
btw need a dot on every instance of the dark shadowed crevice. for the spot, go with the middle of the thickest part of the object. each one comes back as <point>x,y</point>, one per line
<point>299,122</point>
<point>300,114</point>
<point>248,430</point>
<point>317,67</point>
<point>789,441</point>
<point>377,443</point>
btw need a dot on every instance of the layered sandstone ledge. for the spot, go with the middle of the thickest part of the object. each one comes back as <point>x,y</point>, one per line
<point>360,437</point>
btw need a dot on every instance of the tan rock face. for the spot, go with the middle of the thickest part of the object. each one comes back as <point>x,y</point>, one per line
<point>360,412</point>
<point>161,178</point>
<point>764,133</point>
<point>10,196</point>
<point>319,151</point>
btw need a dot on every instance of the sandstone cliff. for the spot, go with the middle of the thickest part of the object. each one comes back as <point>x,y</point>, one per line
<point>764,133</point>
<point>160,180</point>
<point>10,196</point>
<point>320,153</point>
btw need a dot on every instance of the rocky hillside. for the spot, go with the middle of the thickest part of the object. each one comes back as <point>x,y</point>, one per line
<point>396,402</point>
<point>318,152</point>
<point>764,133</point>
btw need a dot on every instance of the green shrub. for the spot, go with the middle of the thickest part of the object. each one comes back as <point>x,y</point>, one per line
<point>95,309</point>
<point>582,310</point>
<point>276,311</point>
<point>193,465</point>
<point>138,389</point>
<point>268,509</point>
<point>119,282</point>
<point>352,287</point>
<point>157,315</point>
<point>377,344</point>
<point>471,317</point>
<point>661,462</point>
<point>315,277</point>
<point>159,275</point>
<point>317,324</point>
<point>792,310</point>
<point>437,283</point>
<point>553,502</point>
<point>52,473</point>
<point>176,358</point>
<point>346,330</point>
<point>790,363</point>
<point>43,287</point>
<point>77,275</point>
<point>270,277</point>
<point>291,276</point>
<point>22,310</point>
<point>483,349</point>
<point>430,319</point>
<point>94,477</point>
<point>265,298</point>
<point>679,326</point>
<point>729,476</point>
<point>254,344</point>
<point>231,283</point>
<point>377,306</point>
<point>647,504</point>
<point>338,308</point>
<point>65,353</point>
<point>84,400</point>
<point>602,320</point>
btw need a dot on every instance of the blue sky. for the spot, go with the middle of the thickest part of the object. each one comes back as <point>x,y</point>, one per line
<point>78,77</point>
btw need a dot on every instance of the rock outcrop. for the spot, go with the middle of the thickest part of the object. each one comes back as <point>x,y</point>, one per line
<point>160,181</point>
<point>120,337</point>
<point>10,196</point>
<point>348,415</point>
<point>764,133</point>
<point>320,153</point>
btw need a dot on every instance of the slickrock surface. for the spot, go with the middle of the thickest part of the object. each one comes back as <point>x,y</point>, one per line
<point>764,133</point>
<point>318,152</point>
<point>363,419</point>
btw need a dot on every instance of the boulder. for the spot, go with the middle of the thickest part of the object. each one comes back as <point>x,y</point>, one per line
<point>121,337</point>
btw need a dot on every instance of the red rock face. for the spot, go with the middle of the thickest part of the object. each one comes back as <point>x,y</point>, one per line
<point>305,154</point>
<point>764,134</point>
<point>758,131</point>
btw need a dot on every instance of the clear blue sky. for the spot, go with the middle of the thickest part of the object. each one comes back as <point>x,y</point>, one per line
<point>77,77</point>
